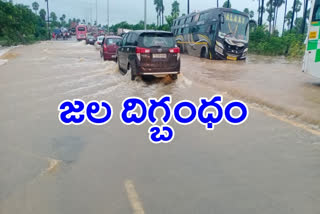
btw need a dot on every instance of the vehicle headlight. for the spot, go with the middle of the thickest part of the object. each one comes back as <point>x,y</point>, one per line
<point>220,44</point>
<point>219,50</point>
<point>245,52</point>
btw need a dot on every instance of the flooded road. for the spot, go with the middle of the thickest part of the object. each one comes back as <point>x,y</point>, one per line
<point>270,164</point>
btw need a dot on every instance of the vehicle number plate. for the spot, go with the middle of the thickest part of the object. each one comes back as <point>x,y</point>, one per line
<point>159,56</point>
<point>113,56</point>
<point>232,58</point>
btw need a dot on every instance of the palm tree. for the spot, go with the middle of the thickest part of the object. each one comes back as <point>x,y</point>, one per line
<point>292,16</point>
<point>285,13</point>
<point>227,4</point>
<point>35,6</point>
<point>277,5</point>
<point>43,14</point>
<point>162,11</point>
<point>157,4</point>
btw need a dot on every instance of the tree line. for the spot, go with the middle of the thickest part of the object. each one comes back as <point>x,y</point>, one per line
<point>22,24</point>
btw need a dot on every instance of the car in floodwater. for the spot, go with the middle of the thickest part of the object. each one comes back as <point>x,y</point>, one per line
<point>149,53</point>
<point>90,40</point>
<point>99,41</point>
<point>109,47</point>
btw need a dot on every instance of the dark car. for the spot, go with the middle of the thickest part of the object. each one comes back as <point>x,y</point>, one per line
<point>149,53</point>
<point>90,40</point>
<point>108,50</point>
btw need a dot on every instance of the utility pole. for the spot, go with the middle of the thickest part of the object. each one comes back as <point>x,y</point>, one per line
<point>188,6</point>
<point>145,14</point>
<point>217,3</point>
<point>304,16</point>
<point>97,12</point>
<point>262,11</point>
<point>108,15</point>
<point>48,21</point>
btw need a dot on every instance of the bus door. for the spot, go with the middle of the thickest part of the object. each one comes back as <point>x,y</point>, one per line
<point>312,55</point>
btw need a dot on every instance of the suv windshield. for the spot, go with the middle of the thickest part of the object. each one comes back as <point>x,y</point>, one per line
<point>149,40</point>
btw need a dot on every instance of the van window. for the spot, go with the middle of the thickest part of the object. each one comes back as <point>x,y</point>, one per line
<point>124,41</point>
<point>131,40</point>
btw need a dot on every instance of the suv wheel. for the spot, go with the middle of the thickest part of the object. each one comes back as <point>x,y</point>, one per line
<point>132,74</point>
<point>120,69</point>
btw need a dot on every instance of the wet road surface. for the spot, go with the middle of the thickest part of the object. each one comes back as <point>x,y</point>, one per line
<point>270,164</point>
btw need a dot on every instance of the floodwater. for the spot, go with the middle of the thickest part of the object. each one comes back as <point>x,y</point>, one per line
<point>276,83</point>
<point>46,167</point>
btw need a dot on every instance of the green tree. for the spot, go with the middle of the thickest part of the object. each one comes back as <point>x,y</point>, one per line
<point>43,14</point>
<point>246,10</point>
<point>175,11</point>
<point>227,4</point>
<point>251,14</point>
<point>157,4</point>
<point>288,18</point>
<point>35,6</point>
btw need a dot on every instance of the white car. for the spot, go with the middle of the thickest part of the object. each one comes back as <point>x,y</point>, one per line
<point>99,42</point>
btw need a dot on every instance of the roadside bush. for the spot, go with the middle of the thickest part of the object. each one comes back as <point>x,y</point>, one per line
<point>263,43</point>
<point>19,25</point>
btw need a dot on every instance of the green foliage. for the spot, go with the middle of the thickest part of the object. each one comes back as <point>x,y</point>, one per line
<point>227,4</point>
<point>175,11</point>
<point>289,44</point>
<point>18,24</point>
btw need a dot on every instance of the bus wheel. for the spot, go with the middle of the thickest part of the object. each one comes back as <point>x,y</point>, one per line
<point>204,53</point>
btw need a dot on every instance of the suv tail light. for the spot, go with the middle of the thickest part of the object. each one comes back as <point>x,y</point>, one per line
<point>140,51</point>
<point>176,51</point>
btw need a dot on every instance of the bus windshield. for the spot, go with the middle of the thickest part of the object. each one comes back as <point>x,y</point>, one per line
<point>235,25</point>
<point>316,12</point>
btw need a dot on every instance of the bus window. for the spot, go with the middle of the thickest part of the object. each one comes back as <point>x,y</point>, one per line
<point>213,28</point>
<point>189,19</point>
<point>316,12</point>
<point>196,18</point>
<point>203,16</point>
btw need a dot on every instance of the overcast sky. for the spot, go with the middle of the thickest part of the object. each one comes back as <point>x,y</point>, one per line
<point>133,10</point>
